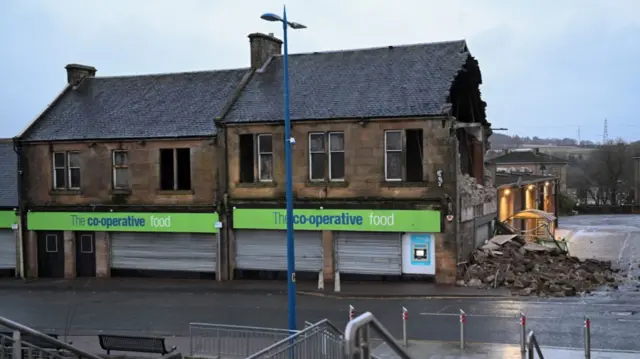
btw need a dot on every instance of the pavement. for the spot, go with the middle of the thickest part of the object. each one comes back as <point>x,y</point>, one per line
<point>439,350</point>
<point>418,349</point>
<point>608,237</point>
<point>349,289</point>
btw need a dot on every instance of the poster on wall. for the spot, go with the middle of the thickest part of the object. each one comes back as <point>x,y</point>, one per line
<point>418,254</point>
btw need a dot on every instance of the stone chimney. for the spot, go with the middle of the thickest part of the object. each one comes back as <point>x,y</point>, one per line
<point>76,72</point>
<point>262,48</point>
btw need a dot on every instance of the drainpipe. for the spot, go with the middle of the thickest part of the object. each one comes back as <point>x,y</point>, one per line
<point>22,208</point>
<point>224,189</point>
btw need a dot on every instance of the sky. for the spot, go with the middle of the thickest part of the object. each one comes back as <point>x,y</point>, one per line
<point>550,68</point>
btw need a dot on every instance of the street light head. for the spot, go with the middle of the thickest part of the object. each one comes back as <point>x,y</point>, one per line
<point>270,17</point>
<point>295,25</point>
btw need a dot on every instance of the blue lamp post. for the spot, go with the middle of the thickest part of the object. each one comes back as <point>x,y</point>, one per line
<point>291,262</point>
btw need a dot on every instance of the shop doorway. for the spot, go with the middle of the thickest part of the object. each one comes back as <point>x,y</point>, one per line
<point>50,255</point>
<point>85,254</point>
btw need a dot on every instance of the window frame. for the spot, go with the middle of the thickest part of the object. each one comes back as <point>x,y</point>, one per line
<point>329,152</point>
<point>175,170</point>
<point>311,153</point>
<point>82,242</point>
<point>46,244</point>
<point>67,170</point>
<point>115,167</point>
<point>386,152</point>
<point>56,168</point>
<point>260,154</point>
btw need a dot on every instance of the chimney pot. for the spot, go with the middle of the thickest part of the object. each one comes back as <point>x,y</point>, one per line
<point>76,72</point>
<point>262,48</point>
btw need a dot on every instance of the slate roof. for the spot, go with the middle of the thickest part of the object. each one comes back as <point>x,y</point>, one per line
<point>517,157</point>
<point>505,179</point>
<point>8,174</point>
<point>394,81</point>
<point>146,106</point>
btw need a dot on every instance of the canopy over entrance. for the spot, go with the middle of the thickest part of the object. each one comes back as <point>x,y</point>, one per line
<point>534,214</point>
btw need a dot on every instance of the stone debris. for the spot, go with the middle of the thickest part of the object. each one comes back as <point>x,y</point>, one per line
<point>529,268</point>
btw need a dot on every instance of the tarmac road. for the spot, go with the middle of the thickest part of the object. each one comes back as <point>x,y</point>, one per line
<point>615,324</point>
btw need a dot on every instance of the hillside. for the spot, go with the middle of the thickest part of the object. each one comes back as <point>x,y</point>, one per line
<point>499,141</point>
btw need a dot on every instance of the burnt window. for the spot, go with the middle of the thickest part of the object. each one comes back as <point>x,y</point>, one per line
<point>326,156</point>
<point>403,155</point>
<point>120,164</point>
<point>175,169</point>
<point>256,158</point>
<point>66,170</point>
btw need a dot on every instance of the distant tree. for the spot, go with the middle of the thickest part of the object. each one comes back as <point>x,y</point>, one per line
<point>610,168</point>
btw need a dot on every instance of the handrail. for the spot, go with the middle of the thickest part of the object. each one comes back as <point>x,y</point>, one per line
<point>351,330</point>
<point>243,327</point>
<point>532,342</point>
<point>41,336</point>
<point>294,336</point>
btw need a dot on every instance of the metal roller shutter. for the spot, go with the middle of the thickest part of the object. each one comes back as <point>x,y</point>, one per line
<point>8,250</point>
<point>267,250</point>
<point>191,252</point>
<point>369,253</point>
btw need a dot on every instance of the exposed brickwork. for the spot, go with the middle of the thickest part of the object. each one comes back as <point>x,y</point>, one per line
<point>364,162</point>
<point>103,254</point>
<point>466,239</point>
<point>96,174</point>
<point>446,264</point>
<point>478,163</point>
<point>32,254</point>
<point>328,260</point>
<point>69,240</point>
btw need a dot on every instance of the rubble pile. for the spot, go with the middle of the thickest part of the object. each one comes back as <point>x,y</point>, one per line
<point>532,269</point>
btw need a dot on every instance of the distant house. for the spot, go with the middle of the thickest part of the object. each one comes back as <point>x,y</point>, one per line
<point>531,161</point>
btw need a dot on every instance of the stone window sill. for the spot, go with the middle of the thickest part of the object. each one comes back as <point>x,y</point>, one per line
<point>256,184</point>
<point>117,191</point>
<point>65,192</point>
<point>327,183</point>
<point>402,184</point>
<point>174,193</point>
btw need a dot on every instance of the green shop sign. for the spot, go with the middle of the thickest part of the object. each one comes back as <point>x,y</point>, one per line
<point>8,219</point>
<point>339,220</point>
<point>123,222</point>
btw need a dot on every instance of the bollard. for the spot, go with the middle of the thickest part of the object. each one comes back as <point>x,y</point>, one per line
<point>405,317</point>
<point>352,312</point>
<point>523,334</point>
<point>462,321</point>
<point>587,337</point>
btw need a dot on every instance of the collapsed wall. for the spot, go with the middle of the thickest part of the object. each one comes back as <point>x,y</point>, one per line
<point>478,208</point>
<point>528,268</point>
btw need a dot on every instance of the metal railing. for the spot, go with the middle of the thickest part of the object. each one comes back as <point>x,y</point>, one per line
<point>357,339</point>
<point>231,341</point>
<point>532,343</point>
<point>574,331</point>
<point>15,347</point>
<point>321,340</point>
